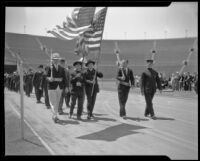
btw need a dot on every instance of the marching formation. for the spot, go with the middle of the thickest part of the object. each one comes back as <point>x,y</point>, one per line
<point>60,83</point>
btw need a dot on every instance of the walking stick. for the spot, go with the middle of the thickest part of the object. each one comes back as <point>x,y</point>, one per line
<point>51,65</point>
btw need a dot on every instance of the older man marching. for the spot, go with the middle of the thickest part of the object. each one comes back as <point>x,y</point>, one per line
<point>57,82</point>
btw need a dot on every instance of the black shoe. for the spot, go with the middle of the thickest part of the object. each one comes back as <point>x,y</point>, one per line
<point>48,107</point>
<point>79,118</point>
<point>124,117</point>
<point>39,102</point>
<point>88,117</point>
<point>61,113</point>
<point>146,115</point>
<point>92,116</point>
<point>153,117</point>
<point>70,116</point>
<point>55,119</point>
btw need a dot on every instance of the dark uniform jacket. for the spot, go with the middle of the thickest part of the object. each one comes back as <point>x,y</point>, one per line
<point>89,75</point>
<point>129,78</point>
<point>150,81</point>
<point>44,81</point>
<point>60,74</point>
<point>74,79</point>
<point>28,78</point>
<point>37,80</point>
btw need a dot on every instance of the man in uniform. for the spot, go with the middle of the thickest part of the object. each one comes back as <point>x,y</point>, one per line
<point>28,82</point>
<point>37,83</point>
<point>125,82</point>
<point>65,91</point>
<point>56,83</point>
<point>77,92</point>
<point>45,88</point>
<point>91,86</point>
<point>149,82</point>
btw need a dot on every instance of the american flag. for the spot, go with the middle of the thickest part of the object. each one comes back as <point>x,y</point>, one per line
<point>92,39</point>
<point>76,23</point>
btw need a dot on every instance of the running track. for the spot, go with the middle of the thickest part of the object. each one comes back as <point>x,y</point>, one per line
<point>174,133</point>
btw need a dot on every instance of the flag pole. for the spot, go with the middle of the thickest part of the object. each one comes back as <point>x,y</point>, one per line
<point>98,55</point>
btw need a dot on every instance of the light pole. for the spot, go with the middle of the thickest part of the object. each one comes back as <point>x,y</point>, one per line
<point>24,29</point>
<point>165,34</point>
<point>186,33</point>
<point>145,35</point>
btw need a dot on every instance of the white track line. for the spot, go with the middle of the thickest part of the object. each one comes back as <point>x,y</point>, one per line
<point>42,141</point>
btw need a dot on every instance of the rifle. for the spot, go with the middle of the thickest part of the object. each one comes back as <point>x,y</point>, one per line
<point>119,62</point>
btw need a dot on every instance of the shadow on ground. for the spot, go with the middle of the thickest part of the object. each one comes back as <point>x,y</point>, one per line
<point>136,119</point>
<point>96,119</point>
<point>66,122</point>
<point>164,118</point>
<point>113,133</point>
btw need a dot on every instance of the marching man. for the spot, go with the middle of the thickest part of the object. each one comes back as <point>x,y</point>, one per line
<point>126,81</point>
<point>77,91</point>
<point>149,82</point>
<point>91,86</point>
<point>57,82</point>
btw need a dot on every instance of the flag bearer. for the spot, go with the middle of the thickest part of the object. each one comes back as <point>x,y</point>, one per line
<point>56,83</point>
<point>91,91</point>
<point>77,91</point>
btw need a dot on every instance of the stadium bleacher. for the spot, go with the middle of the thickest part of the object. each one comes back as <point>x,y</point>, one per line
<point>169,56</point>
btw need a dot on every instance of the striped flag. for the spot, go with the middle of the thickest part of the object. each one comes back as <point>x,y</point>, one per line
<point>85,16</point>
<point>92,39</point>
<point>56,33</point>
<point>76,24</point>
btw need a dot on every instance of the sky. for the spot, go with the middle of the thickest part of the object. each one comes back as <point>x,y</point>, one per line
<point>176,21</point>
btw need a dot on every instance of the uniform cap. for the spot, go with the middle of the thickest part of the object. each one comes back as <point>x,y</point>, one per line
<point>77,62</point>
<point>56,56</point>
<point>89,61</point>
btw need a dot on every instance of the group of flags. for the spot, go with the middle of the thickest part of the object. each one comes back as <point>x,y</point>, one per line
<point>85,26</point>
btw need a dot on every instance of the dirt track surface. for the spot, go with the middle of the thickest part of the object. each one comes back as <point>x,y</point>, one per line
<point>174,133</point>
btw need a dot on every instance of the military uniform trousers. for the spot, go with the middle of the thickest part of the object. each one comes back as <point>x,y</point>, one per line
<point>67,98</point>
<point>123,92</point>
<point>149,105</point>
<point>90,100</point>
<point>80,97</point>
<point>28,88</point>
<point>46,96</point>
<point>38,93</point>
<point>54,97</point>
<point>62,98</point>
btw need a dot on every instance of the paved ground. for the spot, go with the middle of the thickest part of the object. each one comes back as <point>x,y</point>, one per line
<point>174,133</point>
<point>30,145</point>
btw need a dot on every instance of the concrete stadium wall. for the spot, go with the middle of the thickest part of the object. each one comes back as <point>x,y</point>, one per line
<point>169,56</point>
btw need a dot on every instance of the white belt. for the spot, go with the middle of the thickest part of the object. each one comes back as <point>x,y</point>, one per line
<point>125,83</point>
<point>57,79</point>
